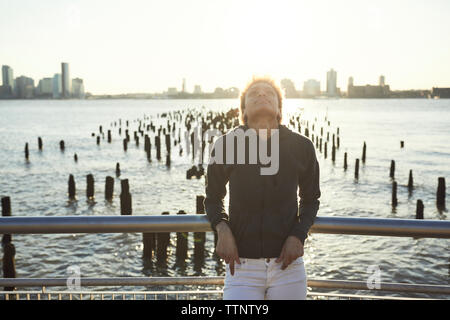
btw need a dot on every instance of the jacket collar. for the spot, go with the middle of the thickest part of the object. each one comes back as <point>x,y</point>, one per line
<point>284,131</point>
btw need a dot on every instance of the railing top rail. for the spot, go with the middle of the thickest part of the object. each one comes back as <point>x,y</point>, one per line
<point>200,223</point>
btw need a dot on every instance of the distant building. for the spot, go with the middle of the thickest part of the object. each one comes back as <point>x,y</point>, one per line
<point>172,91</point>
<point>24,87</point>
<point>443,93</point>
<point>381,83</point>
<point>45,87</point>
<point>57,86</point>
<point>350,81</point>
<point>197,89</point>
<point>183,87</point>
<point>8,77</point>
<point>78,88</point>
<point>368,91</point>
<point>289,89</point>
<point>331,83</point>
<point>65,78</point>
<point>311,88</point>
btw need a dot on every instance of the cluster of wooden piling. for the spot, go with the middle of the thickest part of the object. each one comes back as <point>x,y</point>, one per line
<point>440,195</point>
<point>156,244</point>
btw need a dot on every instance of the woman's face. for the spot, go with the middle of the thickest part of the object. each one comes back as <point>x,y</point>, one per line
<point>261,100</point>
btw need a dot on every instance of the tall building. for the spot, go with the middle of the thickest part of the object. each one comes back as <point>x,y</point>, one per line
<point>311,88</point>
<point>381,81</point>
<point>65,80</point>
<point>77,88</point>
<point>8,77</point>
<point>45,87</point>
<point>25,87</point>
<point>57,86</point>
<point>331,83</point>
<point>183,89</point>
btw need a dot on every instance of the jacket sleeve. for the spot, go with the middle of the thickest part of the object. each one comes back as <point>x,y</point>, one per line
<point>216,180</point>
<point>309,192</point>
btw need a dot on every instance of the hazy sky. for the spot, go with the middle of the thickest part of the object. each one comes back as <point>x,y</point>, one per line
<point>147,46</point>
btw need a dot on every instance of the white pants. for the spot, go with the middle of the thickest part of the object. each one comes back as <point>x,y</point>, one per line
<point>258,279</point>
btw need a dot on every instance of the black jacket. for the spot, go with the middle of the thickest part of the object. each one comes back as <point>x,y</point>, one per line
<point>264,209</point>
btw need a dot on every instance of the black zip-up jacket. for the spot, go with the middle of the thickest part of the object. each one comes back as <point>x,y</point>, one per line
<point>264,209</point>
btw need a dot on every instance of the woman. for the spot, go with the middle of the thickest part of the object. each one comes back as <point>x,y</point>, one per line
<point>262,238</point>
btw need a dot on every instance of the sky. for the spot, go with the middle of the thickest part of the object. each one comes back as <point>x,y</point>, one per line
<point>147,46</point>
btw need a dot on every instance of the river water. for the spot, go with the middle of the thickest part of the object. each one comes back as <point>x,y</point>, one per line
<point>39,187</point>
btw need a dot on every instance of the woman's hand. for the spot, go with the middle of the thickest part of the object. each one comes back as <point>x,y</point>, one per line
<point>226,246</point>
<point>292,249</point>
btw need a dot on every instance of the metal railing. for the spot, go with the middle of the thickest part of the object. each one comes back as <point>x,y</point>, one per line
<point>199,223</point>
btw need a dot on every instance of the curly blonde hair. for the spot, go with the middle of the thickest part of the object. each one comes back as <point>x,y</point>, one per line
<point>255,79</point>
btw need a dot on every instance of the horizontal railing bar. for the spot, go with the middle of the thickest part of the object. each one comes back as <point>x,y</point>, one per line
<point>154,281</point>
<point>200,223</point>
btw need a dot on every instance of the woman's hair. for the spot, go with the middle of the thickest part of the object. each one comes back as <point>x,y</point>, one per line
<point>265,79</point>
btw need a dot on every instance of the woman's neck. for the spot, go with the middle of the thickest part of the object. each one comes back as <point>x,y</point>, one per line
<point>263,123</point>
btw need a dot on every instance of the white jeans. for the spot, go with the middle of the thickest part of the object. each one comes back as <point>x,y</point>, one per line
<point>258,279</point>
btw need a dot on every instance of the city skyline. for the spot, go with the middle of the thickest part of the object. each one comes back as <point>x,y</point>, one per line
<point>143,46</point>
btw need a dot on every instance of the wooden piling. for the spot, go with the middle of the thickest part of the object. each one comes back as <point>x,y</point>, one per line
<point>149,243</point>
<point>392,170</point>
<point>109,188</point>
<point>158,147</point>
<point>125,147</point>
<point>9,267</point>
<point>333,153</point>
<point>357,168</point>
<point>440,194</point>
<point>394,193</point>
<point>402,144</point>
<point>40,143</point>
<point>199,237</point>
<point>162,242</point>
<point>325,150</point>
<point>61,145</point>
<point>364,153</point>
<point>182,242</point>
<point>125,198</point>
<point>90,186</point>
<point>72,190</point>
<point>419,209</point>
<point>26,151</point>
<point>345,161</point>
<point>109,136</point>
<point>98,140</point>
<point>75,157</point>
<point>410,181</point>
<point>117,169</point>
<point>6,212</point>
